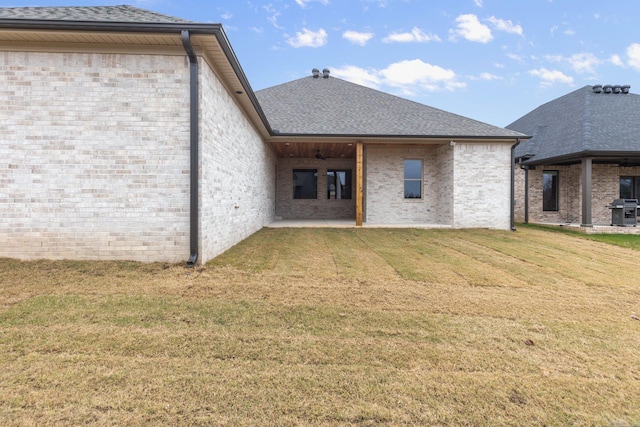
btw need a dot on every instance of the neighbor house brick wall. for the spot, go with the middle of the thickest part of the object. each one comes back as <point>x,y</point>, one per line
<point>321,208</point>
<point>237,172</point>
<point>482,185</point>
<point>605,188</point>
<point>385,202</point>
<point>94,156</point>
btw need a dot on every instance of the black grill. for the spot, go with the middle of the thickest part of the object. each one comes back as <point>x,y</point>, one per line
<point>624,212</point>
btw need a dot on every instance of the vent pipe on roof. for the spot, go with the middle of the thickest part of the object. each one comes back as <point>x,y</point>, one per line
<point>315,72</point>
<point>611,88</point>
<point>325,73</point>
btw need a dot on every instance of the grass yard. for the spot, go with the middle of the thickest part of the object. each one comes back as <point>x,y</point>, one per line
<point>331,327</point>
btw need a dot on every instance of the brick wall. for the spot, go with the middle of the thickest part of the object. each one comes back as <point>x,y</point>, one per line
<point>237,174</point>
<point>321,208</point>
<point>94,156</point>
<point>605,188</point>
<point>482,185</point>
<point>384,197</point>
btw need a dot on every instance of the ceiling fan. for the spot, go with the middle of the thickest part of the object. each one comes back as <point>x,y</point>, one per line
<point>320,156</point>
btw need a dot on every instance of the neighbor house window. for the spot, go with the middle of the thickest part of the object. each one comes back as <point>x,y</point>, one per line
<point>550,190</point>
<point>305,183</point>
<point>338,184</point>
<point>629,187</point>
<point>413,179</point>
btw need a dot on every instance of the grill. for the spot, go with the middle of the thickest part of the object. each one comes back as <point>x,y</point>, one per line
<point>624,212</point>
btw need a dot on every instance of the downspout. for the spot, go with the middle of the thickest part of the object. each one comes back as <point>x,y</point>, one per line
<point>194,124</point>
<point>513,184</point>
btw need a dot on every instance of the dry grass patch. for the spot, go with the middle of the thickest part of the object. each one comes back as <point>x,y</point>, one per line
<point>330,327</point>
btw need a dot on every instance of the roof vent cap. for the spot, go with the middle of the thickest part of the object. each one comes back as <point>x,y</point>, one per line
<point>607,88</point>
<point>617,89</point>
<point>315,72</point>
<point>597,88</point>
<point>325,73</point>
<point>625,88</point>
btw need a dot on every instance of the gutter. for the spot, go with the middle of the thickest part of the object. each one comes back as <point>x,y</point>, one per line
<point>194,138</point>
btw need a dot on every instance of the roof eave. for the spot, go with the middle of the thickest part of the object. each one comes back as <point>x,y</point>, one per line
<point>574,157</point>
<point>149,27</point>
<point>395,136</point>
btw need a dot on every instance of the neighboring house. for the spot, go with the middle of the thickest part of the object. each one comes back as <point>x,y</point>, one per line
<point>584,153</point>
<point>128,134</point>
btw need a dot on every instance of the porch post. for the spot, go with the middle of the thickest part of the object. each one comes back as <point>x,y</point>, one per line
<point>586,192</point>
<point>359,178</point>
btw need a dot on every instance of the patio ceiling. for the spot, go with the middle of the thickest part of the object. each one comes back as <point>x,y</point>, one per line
<point>310,149</point>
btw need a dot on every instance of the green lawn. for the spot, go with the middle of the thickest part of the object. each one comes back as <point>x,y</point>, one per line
<point>331,327</point>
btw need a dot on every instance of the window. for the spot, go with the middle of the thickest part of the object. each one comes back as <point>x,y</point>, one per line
<point>413,179</point>
<point>629,187</point>
<point>549,190</point>
<point>305,183</point>
<point>338,184</point>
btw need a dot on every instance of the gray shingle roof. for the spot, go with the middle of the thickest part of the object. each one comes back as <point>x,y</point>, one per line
<point>579,122</point>
<point>332,106</point>
<point>88,13</point>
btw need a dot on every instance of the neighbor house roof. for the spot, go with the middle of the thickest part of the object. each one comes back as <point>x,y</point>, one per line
<point>332,106</point>
<point>587,122</point>
<point>88,13</point>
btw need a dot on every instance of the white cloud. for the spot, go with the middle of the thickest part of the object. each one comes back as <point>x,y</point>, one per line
<point>410,76</point>
<point>505,25</point>
<point>358,38</point>
<point>416,73</point>
<point>470,28</point>
<point>358,75</point>
<point>227,15</point>
<point>633,55</point>
<point>550,77</point>
<point>580,62</point>
<point>486,77</point>
<point>478,3</point>
<point>303,3</point>
<point>416,35</point>
<point>616,60</point>
<point>273,16</point>
<point>308,38</point>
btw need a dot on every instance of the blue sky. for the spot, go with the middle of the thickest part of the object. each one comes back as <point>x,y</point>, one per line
<point>491,60</point>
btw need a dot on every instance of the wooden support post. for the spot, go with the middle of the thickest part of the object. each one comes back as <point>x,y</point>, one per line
<point>359,179</point>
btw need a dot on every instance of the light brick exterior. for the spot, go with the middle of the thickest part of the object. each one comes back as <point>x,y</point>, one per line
<point>605,188</point>
<point>94,156</point>
<point>384,196</point>
<point>94,159</point>
<point>464,185</point>
<point>321,208</point>
<point>237,173</point>
<point>482,185</point>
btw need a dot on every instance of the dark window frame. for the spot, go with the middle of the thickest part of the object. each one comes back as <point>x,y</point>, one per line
<point>634,187</point>
<point>408,193</point>
<point>551,202</point>
<point>345,192</point>
<point>304,190</point>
